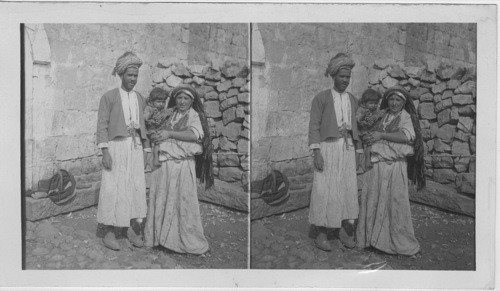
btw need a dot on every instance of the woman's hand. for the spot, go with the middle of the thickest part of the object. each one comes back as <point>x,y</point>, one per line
<point>373,137</point>
<point>160,136</point>
<point>106,159</point>
<point>318,161</point>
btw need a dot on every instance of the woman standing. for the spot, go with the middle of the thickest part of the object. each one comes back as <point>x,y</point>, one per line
<point>333,137</point>
<point>173,218</point>
<point>397,153</point>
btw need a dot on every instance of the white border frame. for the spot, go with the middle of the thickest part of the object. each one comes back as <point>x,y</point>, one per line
<point>12,14</point>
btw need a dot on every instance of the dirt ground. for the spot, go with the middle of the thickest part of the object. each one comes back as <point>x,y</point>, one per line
<point>286,242</point>
<point>71,241</point>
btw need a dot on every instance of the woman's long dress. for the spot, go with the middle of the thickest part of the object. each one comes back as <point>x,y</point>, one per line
<point>385,218</point>
<point>173,218</point>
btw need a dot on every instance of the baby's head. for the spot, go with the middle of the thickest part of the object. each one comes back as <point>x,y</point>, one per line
<point>157,98</point>
<point>370,99</point>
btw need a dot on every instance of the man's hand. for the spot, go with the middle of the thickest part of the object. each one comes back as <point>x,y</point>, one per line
<point>318,160</point>
<point>106,159</point>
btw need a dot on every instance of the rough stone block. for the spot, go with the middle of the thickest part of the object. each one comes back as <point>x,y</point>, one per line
<point>196,70</point>
<point>447,103</point>
<point>465,124</point>
<point>428,77</point>
<point>444,175</point>
<point>426,110</point>
<point>232,131</point>
<point>173,81</point>
<point>460,148</point>
<point>447,94</point>
<point>157,75</point>
<point>414,82</point>
<point>226,144</point>
<point>427,97</point>
<point>417,92</point>
<point>468,87</point>
<point>239,82</point>
<point>381,64</point>
<point>396,72</point>
<point>229,102</point>
<point>37,209</point>
<point>240,113</point>
<point>429,146</point>
<point>472,142</point>
<point>441,147</point>
<point>232,92</point>
<point>454,115</point>
<point>203,90</point>
<point>434,129</point>
<point>181,71</point>
<point>228,159</point>
<point>414,72</point>
<point>244,98</point>
<point>212,95</point>
<point>243,146</point>
<point>468,110</point>
<point>230,69</point>
<point>222,96</point>
<point>446,132</point>
<point>424,124</point>
<point>467,182</point>
<point>198,80</point>
<point>212,109</point>
<point>438,88</point>
<point>224,86</point>
<point>230,195</point>
<point>443,117</point>
<point>462,99</point>
<point>460,135</point>
<point>442,161</point>
<point>453,84</point>
<point>215,143</point>
<point>213,75</point>
<point>389,82</point>
<point>426,134</point>
<point>461,164</point>
<point>245,88</point>
<point>230,174</point>
<point>445,71</point>
<point>245,163</point>
<point>229,115</point>
<point>472,166</point>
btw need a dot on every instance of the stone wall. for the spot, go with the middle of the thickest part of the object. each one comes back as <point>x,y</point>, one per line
<point>288,65</point>
<point>68,68</point>
<point>224,89</point>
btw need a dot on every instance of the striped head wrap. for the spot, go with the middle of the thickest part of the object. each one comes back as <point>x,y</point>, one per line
<point>339,61</point>
<point>398,91</point>
<point>127,60</point>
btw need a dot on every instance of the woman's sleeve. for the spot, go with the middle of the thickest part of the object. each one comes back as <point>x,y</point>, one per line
<point>407,126</point>
<point>195,125</point>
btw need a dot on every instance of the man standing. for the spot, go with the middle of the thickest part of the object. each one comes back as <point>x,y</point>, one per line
<point>121,135</point>
<point>333,137</point>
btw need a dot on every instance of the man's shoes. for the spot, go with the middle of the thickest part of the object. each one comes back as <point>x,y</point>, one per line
<point>110,241</point>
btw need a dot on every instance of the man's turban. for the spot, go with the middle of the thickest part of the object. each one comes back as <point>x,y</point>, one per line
<point>340,61</point>
<point>127,60</point>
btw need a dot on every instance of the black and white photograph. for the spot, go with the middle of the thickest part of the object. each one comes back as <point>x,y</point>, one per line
<point>369,130</point>
<point>249,145</point>
<point>121,121</point>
